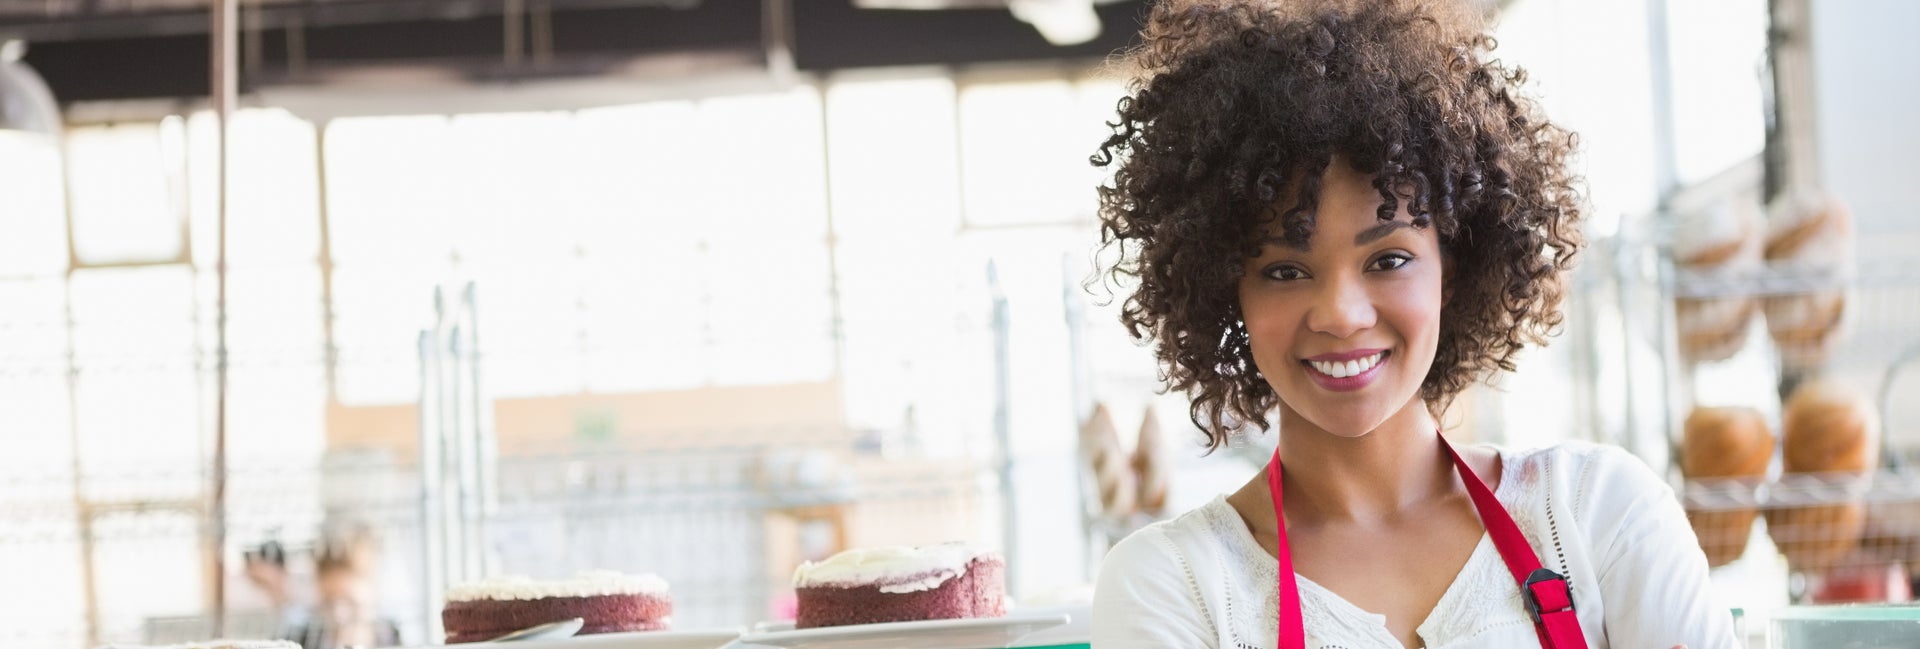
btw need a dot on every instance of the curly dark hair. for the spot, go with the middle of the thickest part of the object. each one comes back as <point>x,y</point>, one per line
<point>1234,105</point>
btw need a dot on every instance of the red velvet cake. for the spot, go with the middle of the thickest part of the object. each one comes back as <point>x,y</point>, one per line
<point>871,586</point>
<point>609,603</point>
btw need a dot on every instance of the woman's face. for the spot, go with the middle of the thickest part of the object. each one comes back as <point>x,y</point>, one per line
<point>344,592</point>
<point>1345,329</point>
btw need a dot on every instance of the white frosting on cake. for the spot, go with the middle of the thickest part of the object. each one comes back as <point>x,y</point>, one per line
<point>586,584</point>
<point>895,569</point>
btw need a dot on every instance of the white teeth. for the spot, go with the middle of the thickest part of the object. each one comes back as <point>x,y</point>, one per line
<point>1341,370</point>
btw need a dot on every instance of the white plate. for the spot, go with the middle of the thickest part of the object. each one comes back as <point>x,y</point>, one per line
<point>696,639</point>
<point>771,626</point>
<point>980,633</point>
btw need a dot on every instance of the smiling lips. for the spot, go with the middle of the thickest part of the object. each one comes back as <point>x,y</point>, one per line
<point>1347,371</point>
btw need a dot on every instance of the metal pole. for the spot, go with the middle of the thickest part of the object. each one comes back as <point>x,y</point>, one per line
<point>1676,377</point>
<point>1665,181</point>
<point>431,572</point>
<point>330,354</point>
<point>449,450</point>
<point>837,325</point>
<point>1626,268</point>
<point>82,509</point>
<point>776,29</point>
<point>487,447</point>
<point>513,37</point>
<point>225,74</point>
<point>1082,394</point>
<point>540,19</point>
<point>1790,49</point>
<point>1666,175</point>
<point>1583,327</point>
<point>464,448</point>
<point>1076,312</point>
<point>1002,418</point>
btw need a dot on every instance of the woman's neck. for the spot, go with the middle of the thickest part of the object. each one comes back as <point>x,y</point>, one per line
<point>1373,478</point>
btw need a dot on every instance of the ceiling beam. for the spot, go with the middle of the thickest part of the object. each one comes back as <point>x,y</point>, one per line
<point>586,38</point>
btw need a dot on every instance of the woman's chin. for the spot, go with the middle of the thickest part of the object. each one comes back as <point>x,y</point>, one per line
<point>1350,418</point>
<point>1354,432</point>
<point>1348,427</point>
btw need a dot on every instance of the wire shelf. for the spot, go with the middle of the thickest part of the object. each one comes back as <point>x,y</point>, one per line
<point>1853,321</point>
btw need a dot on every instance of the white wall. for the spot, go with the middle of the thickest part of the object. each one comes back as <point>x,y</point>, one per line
<point>1867,86</point>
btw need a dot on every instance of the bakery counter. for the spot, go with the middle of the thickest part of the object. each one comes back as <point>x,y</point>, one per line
<point>1038,628</point>
<point>1051,628</point>
<point>944,596</point>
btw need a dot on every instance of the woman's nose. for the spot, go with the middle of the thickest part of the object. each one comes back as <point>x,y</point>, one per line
<point>1341,308</point>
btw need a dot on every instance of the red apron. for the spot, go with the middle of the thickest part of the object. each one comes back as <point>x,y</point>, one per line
<point>1546,591</point>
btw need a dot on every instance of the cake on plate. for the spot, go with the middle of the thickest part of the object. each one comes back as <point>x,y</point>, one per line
<point>901,584</point>
<point>608,602</point>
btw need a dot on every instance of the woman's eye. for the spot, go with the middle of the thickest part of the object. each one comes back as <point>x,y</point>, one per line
<point>1390,262</point>
<point>1286,273</point>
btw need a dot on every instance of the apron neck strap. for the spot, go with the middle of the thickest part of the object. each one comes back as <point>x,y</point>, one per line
<point>1547,594</point>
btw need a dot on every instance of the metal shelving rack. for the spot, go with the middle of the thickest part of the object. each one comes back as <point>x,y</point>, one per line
<point>1879,338</point>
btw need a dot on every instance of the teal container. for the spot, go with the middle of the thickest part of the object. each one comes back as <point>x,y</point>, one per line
<point>1845,627</point>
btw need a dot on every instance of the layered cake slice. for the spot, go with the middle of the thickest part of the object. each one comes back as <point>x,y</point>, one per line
<point>609,602</point>
<point>901,584</point>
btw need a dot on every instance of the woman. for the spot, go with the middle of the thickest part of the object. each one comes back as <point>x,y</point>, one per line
<point>1340,215</point>
<point>345,614</point>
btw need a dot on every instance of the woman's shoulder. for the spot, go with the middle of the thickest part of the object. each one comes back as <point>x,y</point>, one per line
<point>1203,545</point>
<point>1584,477</point>
<point>1578,451</point>
<point>1168,568</point>
<point>1579,463</point>
<point>1202,530</point>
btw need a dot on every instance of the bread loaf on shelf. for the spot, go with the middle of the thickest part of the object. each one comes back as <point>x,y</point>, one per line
<point>1110,465</point>
<point>1816,537</point>
<point>1812,237</point>
<point>1725,443</point>
<point>1723,242</point>
<point>1150,466</point>
<point>1828,427</point>
<point>1828,431</point>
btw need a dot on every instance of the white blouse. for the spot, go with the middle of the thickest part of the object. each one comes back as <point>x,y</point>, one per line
<point>1593,513</point>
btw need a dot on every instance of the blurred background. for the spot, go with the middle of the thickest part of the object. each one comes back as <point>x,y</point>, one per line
<point>711,287</point>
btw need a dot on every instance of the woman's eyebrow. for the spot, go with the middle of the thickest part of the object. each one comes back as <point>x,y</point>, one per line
<point>1365,237</point>
<point>1377,232</point>
<point>1287,243</point>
